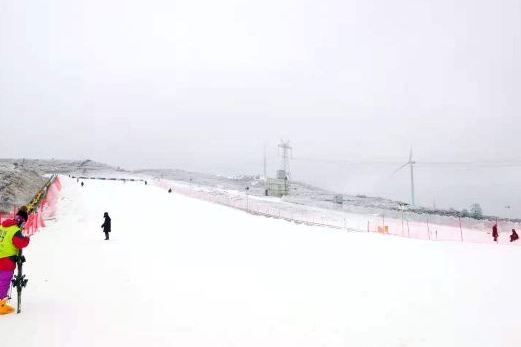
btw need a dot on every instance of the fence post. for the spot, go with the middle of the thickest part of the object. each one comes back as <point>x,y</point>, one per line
<point>460,229</point>
<point>402,220</point>
<point>367,226</point>
<point>247,200</point>
<point>428,229</point>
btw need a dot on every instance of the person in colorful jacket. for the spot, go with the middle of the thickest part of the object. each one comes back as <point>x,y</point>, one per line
<point>11,241</point>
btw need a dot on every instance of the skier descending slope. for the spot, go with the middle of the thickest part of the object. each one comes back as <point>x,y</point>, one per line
<point>11,241</point>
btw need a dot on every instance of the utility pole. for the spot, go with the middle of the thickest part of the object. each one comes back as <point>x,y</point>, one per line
<point>284,172</point>
<point>412,162</point>
<point>265,173</point>
<point>508,207</point>
<point>402,207</point>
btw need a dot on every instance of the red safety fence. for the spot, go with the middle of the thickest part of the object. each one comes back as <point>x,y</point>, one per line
<point>42,206</point>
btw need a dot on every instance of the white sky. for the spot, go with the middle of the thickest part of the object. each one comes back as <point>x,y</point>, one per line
<point>204,84</point>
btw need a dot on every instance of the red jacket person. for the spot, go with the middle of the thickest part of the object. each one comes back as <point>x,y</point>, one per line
<point>494,232</point>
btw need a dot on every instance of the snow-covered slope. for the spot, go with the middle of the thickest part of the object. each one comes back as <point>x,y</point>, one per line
<point>52,166</point>
<point>17,185</point>
<point>184,272</point>
<point>20,179</point>
<point>309,196</point>
<point>301,194</point>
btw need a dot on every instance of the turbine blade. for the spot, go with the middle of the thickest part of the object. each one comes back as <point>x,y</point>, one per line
<point>401,167</point>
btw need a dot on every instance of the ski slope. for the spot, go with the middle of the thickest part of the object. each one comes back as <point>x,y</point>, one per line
<point>184,272</point>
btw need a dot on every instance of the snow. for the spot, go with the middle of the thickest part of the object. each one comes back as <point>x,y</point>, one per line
<point>305,201</point>
<point>428,226</point>
<point>180,271</point>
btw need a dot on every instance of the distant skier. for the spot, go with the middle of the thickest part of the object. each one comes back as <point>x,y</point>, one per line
<point>106,225</point>
<point>170,190</point>
<point>82,184</point>
<point>494,232</point>
<point>146,183</point>
<point>11,241</point>
<point>514,236</point>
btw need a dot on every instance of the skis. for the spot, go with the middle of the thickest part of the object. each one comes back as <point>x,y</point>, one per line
<point>19,280</point>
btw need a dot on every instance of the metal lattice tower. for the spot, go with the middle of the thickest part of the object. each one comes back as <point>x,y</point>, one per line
<point>286,152</point>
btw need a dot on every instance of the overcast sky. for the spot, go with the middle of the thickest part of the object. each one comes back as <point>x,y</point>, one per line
<point>204,84</point>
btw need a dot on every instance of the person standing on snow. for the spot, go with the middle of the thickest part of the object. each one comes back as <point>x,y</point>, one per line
<point>106,225</point>
<point>11,241</point>
<point>494,232</point>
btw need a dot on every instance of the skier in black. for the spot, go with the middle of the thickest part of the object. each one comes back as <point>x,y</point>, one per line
<point>106,225</point>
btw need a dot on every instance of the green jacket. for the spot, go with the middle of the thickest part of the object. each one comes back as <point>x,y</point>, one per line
<point>7,249</point>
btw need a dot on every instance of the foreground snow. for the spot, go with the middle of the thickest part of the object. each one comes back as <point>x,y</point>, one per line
<point>184,272</point>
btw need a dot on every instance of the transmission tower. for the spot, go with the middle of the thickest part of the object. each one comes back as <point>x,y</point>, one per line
<point>286,152</point>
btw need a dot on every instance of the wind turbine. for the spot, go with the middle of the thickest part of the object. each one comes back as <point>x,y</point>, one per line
<point>411,163</point>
